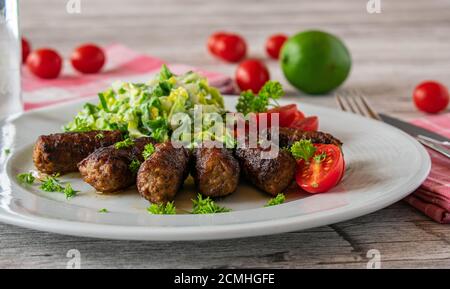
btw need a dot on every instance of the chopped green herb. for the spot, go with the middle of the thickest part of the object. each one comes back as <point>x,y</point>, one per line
<point>162,209</point>
<point>7,151</point>
<point>26,178</point>
<point>51,184</point>
<point>124,144</point>
<point>207,206</point>
<point>279,199</point>
<point>249,102</point>
<point>303,149</point>
<point>103,210</point>
<point>99,136</point>
<point>149,149</point>
<point>69,191</point>
<point>134,165</point>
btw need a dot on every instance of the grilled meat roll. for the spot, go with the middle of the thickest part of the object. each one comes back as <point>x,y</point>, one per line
<point>163,173</point>
<point>270,175</point>
<point>108,169</point>
<point>288,136</point>
<point>61,152</point>
<point>215,171</point>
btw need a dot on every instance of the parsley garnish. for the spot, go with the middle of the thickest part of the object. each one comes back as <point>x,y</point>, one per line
<point>7,151</point>
<point>279,199</point>
<point>135,165</point>
<point>124,144</point>
<point>52,184</point>
<point>207,206</point>
<point>249,102</point>
<point>162,209</point>
<point>303,149</point>
<point>26,178</point>
<point>99,136</point>
<point>103,210</point>
<point>149,149</point>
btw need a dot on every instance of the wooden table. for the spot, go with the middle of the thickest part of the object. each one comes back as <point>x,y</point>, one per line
<point>392,51</point>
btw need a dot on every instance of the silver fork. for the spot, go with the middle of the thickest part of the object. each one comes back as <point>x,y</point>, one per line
<point>358,104</point>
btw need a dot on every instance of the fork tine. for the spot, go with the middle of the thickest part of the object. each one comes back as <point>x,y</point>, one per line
<point>349,104</point>
<point>340,102</point>
<point>372,112</point>
<point>357,106</point>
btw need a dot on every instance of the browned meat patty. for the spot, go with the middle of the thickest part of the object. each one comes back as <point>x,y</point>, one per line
<point>108,169</point>
<point>215,171</point>
<point>163,173</point>
<point>270,175</point>
<point>61,152</point>
<point>288,136</point>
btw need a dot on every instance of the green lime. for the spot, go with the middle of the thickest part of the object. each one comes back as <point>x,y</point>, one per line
<point>315,62</point>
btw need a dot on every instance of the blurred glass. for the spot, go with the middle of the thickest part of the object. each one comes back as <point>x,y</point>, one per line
<point>10,59</point>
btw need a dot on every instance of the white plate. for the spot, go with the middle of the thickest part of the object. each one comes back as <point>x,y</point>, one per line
<point>383,166</point>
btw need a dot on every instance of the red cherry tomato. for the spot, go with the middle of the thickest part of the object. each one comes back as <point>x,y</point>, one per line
<point>431,97</point>
<point>310,123</point>
<point>45,63</point>
<point>324,171</point>
<point>274,44</point>
<point>251,75</point>
<point>26,49</point>
<point>229,47</point>
<point>287,114</point>
<point>88,58</point>
<point>212,41</point>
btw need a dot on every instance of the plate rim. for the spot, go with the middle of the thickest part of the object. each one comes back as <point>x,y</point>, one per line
<point>214,232</point>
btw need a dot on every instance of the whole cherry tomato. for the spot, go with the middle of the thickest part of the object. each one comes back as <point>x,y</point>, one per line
<point>431,96</point>
<point>251,75</point>
<point>26,49</point>
<point>45,63</point>
<point>274,44</point>
<point>88,58</point>
<point>213,39</point>
<point>228,46</point>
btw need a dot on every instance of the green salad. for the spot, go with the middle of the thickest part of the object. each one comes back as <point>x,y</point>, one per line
<point>146,109</point>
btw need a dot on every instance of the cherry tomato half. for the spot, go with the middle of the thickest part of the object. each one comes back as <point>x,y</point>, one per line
<point>274,44</point>
<point>45,63</point>
<point>431,97</point>
<point>88,58</point>
<point>324,171</point>
<point>310,123</point>
<point>26,49</point>
<point>228,46</point>
<point>251,75</point>
<point>287,114</point>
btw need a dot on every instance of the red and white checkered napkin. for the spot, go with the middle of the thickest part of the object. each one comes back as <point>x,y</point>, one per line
<point>122,64</point>
<point>433,196</point>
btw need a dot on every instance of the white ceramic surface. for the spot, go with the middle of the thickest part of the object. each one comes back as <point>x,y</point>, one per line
<point>383,166</point>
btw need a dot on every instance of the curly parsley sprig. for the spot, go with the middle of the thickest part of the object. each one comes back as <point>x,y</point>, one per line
<point>53,184</point>
<point>207,206</point>
<point>149,149</point>
<point>124,144</point>
<point>26,178</point>
<point>277,200</point>
<point>162,209</point>
<point>249,102</point>
<point>303,149</point>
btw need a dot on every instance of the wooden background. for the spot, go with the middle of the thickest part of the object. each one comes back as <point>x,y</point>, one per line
<point>392,51</point>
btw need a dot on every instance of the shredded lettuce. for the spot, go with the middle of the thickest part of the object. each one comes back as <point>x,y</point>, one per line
<point>146,109</point>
